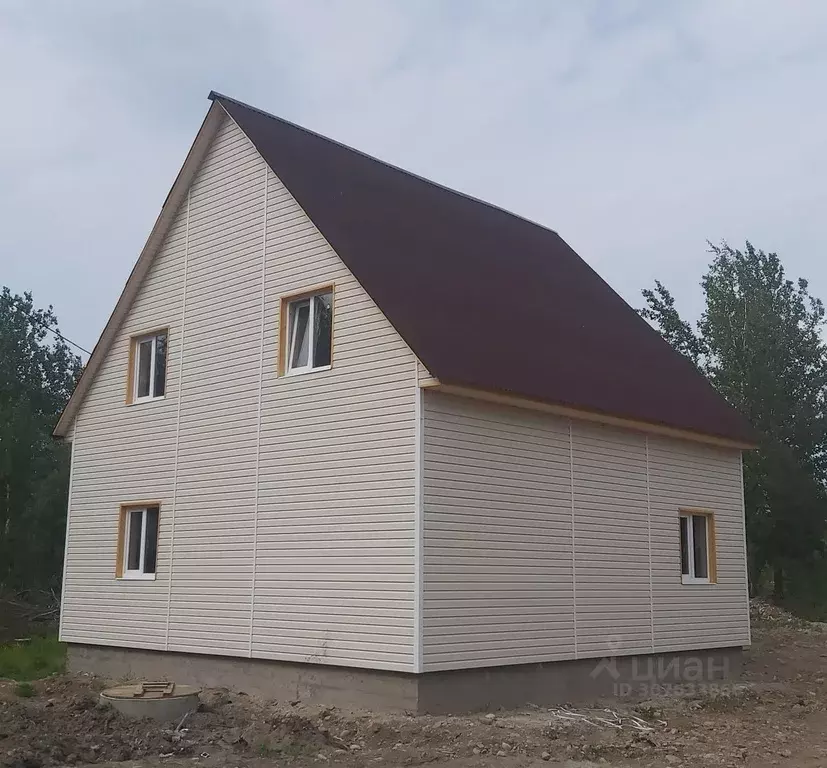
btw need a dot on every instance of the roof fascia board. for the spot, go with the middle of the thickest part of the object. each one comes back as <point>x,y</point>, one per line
<point>575,413</point>
<point>213,119</point>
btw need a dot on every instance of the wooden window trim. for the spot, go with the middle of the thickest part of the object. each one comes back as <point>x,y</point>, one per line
<point>130,374</point>
<point>711,546</point>
<point>284,305</point>
<point>123,513</point>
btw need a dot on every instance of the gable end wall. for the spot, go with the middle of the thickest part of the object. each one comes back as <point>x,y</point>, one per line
<point>287,503</point>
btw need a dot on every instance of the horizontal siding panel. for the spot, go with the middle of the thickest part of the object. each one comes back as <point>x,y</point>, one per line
<point>523,518</point>
<point>447,605</point>
<point>151,641</point>
<point>394,597</point>
<point>380,616</point>
<point>265,646</point>
<point>457,658</point>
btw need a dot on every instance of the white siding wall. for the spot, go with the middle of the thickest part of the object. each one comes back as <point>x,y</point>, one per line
<point>497,536</point>
<point>312,562</point>
<point>335,562</point>
<point>537,539</point>
<point>683,474</point>
<point>214,509</point>
<point>611,534</point>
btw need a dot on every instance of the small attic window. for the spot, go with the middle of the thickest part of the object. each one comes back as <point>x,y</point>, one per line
<point>307,341</point>
<point>147,367</point>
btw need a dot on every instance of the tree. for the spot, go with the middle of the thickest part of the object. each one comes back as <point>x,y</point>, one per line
<point>36,379</point>
<point>758,341</point>
<point>661,310</point>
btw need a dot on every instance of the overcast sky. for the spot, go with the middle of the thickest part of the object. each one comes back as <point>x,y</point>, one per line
<point>637,130</point>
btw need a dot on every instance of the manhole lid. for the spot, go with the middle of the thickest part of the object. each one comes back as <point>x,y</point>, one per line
<point>151,690</point>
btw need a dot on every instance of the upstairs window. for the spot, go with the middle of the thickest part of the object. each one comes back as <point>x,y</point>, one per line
<point>309,332</point>
<point>697,531</point>
<point>148,372</point>
<point>138,543</point>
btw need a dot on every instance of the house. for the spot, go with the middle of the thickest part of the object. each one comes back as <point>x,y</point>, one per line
<point>354,437</point>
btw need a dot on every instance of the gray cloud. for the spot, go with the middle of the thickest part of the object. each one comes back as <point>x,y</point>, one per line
<point>635,129</point>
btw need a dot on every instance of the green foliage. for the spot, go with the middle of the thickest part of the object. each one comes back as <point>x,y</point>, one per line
<point>806,592</point>
<point>283,749</point>
<point>36,379</point>
<point>41,657</point>
<point>661,310</point>
<point>759,342</point>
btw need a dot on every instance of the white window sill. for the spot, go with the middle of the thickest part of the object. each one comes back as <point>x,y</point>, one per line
<point>137,576</point>
<point>301,371</point>
<point>142,400</point>
<point>692,580</point>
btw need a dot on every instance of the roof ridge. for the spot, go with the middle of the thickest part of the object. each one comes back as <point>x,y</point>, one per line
<point>215,95</point>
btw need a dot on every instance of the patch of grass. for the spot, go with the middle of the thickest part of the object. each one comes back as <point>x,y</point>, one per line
<point>24,690</point>
<point>729,700</point>
<point>284,749</point>
<point>41,657</point>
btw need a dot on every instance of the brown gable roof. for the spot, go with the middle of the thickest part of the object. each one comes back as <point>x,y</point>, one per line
<point>485,298</point>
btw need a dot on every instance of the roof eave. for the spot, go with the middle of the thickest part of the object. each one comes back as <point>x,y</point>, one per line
<point>560,409</point>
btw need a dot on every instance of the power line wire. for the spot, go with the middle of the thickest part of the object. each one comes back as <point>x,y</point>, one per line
<point>59,335</point>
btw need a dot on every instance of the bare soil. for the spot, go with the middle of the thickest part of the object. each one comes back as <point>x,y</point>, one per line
<point>776,715</point>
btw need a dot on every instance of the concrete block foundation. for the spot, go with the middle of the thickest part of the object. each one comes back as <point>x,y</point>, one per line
<point>454,691</point>
<point>343,687</point>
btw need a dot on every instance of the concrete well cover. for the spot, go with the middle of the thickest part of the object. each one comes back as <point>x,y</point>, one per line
<point>160,701</point>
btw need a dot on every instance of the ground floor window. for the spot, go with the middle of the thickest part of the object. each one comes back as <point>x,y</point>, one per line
<point>138,542</point>
<point>697,531</point>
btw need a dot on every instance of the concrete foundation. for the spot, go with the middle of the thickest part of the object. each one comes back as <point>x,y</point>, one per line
<point>343,687</point>
<point>464,690</point>
<point>577,681</point>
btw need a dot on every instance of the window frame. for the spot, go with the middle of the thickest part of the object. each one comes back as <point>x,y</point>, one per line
<point>122,570</point>
<point>711,554</point>
<point>287,331</point>
<point>133,376</point>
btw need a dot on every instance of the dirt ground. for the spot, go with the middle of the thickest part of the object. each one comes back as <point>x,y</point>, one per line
<point>776,715</point>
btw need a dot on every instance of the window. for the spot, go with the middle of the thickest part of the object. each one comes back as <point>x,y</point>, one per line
<point>138,543</point>
<point>697,532</point>
<point>309,332</point>
<point>148,374</point>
